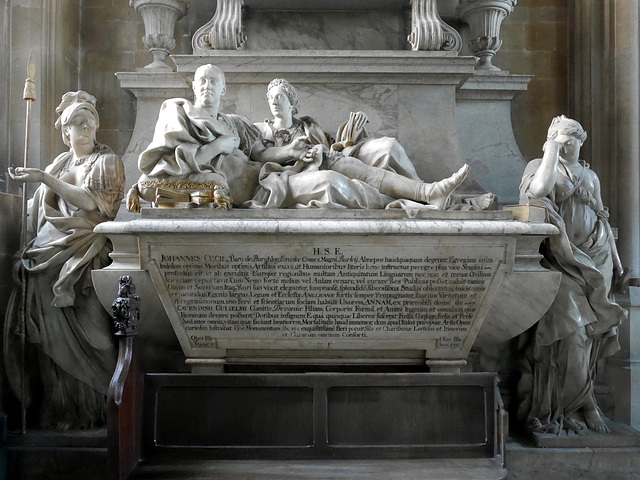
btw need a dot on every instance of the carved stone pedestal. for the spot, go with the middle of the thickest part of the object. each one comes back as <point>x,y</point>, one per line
<point>287,287</point>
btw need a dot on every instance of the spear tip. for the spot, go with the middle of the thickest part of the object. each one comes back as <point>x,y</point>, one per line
<point>31,67</point>
<point>30,84</point>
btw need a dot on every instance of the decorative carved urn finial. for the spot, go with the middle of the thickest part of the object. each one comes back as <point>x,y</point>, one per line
<point>485,17</point>
<point>160,17</point>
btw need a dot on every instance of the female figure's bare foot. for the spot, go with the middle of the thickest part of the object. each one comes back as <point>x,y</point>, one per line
<point>595,421</point>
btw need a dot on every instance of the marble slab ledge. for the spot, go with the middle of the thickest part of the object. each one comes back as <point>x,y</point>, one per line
<point>335,66</point>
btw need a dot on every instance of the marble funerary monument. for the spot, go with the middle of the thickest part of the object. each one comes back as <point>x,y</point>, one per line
<point>326,187</point>
<point>360,287</point>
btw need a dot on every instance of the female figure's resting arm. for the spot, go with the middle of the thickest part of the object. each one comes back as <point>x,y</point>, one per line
<point>545,177</point>
<point>75,195</point>
<point>298,149</point>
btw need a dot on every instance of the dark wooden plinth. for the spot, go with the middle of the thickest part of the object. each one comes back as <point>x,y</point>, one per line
<point>52,455</point>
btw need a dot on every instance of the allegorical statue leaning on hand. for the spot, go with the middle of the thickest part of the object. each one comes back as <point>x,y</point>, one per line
<point>65,321</point>
<point>581,326</point>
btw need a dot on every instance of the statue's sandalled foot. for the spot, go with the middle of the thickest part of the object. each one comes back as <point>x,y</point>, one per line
<point>439,192</point>
<point>595,422</point>
<point>486,201</point>
<point>575,422</point>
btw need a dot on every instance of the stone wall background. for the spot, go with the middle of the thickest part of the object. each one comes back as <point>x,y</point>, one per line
<point>534,42</point>
<point>49,29</point>
<point>82,43</point>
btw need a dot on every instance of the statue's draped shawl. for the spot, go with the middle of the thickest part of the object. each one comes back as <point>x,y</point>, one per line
<point>63,234</point>
<point>64,316</point>
<point>584,298</point>
<point>384,152</point>
<point>181,130</point>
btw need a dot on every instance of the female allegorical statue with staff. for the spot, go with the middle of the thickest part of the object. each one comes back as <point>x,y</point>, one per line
<point>65,321</point>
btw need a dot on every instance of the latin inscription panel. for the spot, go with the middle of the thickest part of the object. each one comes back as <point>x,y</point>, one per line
<point>279,295</point>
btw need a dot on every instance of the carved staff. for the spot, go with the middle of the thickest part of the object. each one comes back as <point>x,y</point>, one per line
<point>29,95</point>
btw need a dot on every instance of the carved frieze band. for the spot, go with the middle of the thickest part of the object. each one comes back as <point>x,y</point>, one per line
<point>428,31</point>
<point>224,31</point>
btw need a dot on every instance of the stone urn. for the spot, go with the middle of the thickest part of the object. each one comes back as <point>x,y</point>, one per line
<point>160,17</point>
<point>485,17</point>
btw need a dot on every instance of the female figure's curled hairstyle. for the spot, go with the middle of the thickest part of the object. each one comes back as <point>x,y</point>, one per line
<point>292,95</point>
<point>563,125</point>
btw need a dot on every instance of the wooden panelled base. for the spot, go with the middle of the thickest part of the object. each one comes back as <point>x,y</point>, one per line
<point>320,416</point>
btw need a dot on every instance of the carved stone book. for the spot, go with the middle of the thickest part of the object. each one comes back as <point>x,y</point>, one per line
<point>534,212</point>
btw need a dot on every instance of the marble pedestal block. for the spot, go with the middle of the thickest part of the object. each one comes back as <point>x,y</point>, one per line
<point>623,369</point>
<point>483,115</point>
<point>339,287</point>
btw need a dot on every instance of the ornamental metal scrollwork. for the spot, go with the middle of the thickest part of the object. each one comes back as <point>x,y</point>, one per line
<point>126,308</point>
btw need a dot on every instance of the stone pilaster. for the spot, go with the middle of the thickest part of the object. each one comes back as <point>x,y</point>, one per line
<point>603,93</point>
<point>627,136</point>
<point>603,96</point>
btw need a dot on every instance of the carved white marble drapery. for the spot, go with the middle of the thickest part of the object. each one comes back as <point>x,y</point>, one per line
<point>485,18</point>
<point>160,17</point>
<point>224,31</point>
